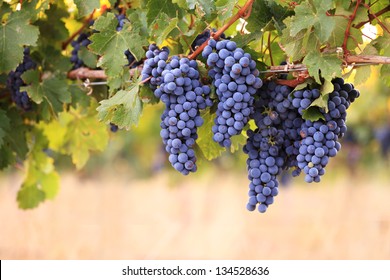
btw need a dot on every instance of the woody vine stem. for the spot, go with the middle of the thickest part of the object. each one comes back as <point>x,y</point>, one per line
<point>244,12</point>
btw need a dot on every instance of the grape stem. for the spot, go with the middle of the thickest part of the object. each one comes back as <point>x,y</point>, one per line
<point>244,12</point>
<point>348,29</point>
<point>371,17</point>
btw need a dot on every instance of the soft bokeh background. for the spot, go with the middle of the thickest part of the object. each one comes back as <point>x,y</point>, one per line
<point>129,203</point>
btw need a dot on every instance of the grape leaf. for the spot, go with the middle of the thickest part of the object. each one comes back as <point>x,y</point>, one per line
<point>225,9</point>
<point>209,148</point>
<point>385,74</point>
<point>4,126</point>
<point>264,12</point>
<point>52,29</point>
<point>243,40</point>
<point>16,33</point>
<point>362,74</point>
<point>41,181</point>
<point>77,133</point>
<point>155,7</point>
<point>313,14</point>
<point>207,6</point>
<point>237,142</point>
<point>86,7</point>
<point>13,139</point>
<point>111,45</point>
<point>326,64</point>
<point>139,21</point>
<point>313,114</point>
<point>51,92</point>
<point>162,26</point>
<point>123,109</point>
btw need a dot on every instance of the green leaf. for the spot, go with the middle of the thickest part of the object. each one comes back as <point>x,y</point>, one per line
<point>52,29</point>
<point>385,74</point>
<point>14,142</point>
<point>225,9</point>
<point>155,7</point>
<point>362,74</point>
<point>243,40</point>
<point>139,21</point>
<point>30,196</point>
<point>237,142</point>
<point>147,96</point>
<point>207,6</point>
<point>77,133</point>
<point>89,59</point>
<point>123,109</point>
<point>328,65</point>
<point>209,148</point>
<point>16,32</point>
<point>313,14</point>
<point>41,181</point>
<point>51,92</point>
<point>313,114</point>
<point>265,12</point>
<point>4,126</point>
<point>86,7</point>
<point>162,26</point>
<point>111,45</point>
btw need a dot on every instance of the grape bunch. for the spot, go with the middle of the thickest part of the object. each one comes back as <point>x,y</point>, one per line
<point>14,81</point>
<point>320,139</point>
<point>235,78</point>
<point>81,41</point>
<point>283,139</point>
<point>177,84</point>
<point>271,146</point>
<point>154,65</point>
<point>265,162</point>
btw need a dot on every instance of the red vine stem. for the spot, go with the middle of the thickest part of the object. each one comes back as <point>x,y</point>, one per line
<point>373,16</point>
<point>376,17</point>
<point>243,12</point>
<point>347,30</point>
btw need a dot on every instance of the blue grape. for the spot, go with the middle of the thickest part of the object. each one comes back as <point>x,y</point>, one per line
<point>14,81</point>
<point>179,88</point>
<point>235,78</point>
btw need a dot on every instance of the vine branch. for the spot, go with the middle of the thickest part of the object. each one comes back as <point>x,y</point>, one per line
<point>85,24</point>
<point>243,12</point>
<point>362,60</point>
<point>348,29</point>
<point>376,17</point>
<point>371,17</point>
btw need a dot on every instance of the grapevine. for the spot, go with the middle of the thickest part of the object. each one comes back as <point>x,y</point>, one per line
<point>85,71</point>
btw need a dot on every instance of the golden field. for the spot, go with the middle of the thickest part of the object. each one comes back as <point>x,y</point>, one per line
<point>116,217</point>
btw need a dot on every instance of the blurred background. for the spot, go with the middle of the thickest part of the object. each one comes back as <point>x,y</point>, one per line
<point>128,203</point>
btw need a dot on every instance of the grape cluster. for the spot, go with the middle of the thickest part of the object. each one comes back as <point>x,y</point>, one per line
<point>284,140</point>
<point>270,147</point>
<point>235,78</point>
<point>81,41</point>
<point>320,139</point>
<point>14,81</point>
<point>177,84</point>
<point>264,150</point>
<point>154,65</point>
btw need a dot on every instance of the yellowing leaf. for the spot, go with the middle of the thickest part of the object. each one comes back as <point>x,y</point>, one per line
<point>123,109</point>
